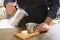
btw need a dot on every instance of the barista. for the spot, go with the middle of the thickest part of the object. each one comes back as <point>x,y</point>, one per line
<point>37,10</point>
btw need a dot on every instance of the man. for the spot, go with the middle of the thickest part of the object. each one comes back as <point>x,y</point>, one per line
<point>38,11</point>
<point>10,7</point>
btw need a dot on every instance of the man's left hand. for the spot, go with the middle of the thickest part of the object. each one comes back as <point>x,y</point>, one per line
<point>43,27</point>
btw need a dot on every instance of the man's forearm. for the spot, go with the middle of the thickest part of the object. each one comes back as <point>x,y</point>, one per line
<point>48,20</point>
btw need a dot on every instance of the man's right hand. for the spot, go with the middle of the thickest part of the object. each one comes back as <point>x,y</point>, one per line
<point>10,8</point>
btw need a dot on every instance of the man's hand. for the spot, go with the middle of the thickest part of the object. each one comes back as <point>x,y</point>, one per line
<point>43,27</point>
<point>10,8</point>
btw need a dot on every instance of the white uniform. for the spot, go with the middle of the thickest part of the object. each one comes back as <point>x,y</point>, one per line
<point>3,14</point>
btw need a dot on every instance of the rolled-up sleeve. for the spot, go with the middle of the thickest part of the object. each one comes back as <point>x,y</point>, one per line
<point>6,1</point>
<point>53,8</point>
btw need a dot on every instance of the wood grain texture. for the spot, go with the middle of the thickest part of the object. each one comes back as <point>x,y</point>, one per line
<point>21,36</point>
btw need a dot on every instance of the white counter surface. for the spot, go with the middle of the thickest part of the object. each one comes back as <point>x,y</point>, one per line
<point>53,34</point>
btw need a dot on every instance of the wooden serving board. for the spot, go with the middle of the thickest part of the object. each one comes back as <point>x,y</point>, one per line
<point>19,35</point>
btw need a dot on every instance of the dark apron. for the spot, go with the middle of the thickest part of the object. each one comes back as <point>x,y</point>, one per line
<point>35,8</point>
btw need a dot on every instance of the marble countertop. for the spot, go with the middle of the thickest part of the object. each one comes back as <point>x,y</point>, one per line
<point>7,33</point>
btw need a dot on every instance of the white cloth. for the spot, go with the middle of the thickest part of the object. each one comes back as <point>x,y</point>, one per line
<point>4,23</point>
<point>3,13</point>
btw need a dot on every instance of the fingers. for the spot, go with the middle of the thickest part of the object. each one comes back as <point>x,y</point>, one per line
<point>37,30</point>
<point>42,28</point>
<point>10,11</point>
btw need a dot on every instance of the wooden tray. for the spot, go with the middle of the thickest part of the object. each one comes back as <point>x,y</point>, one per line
<point>19,35</point>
